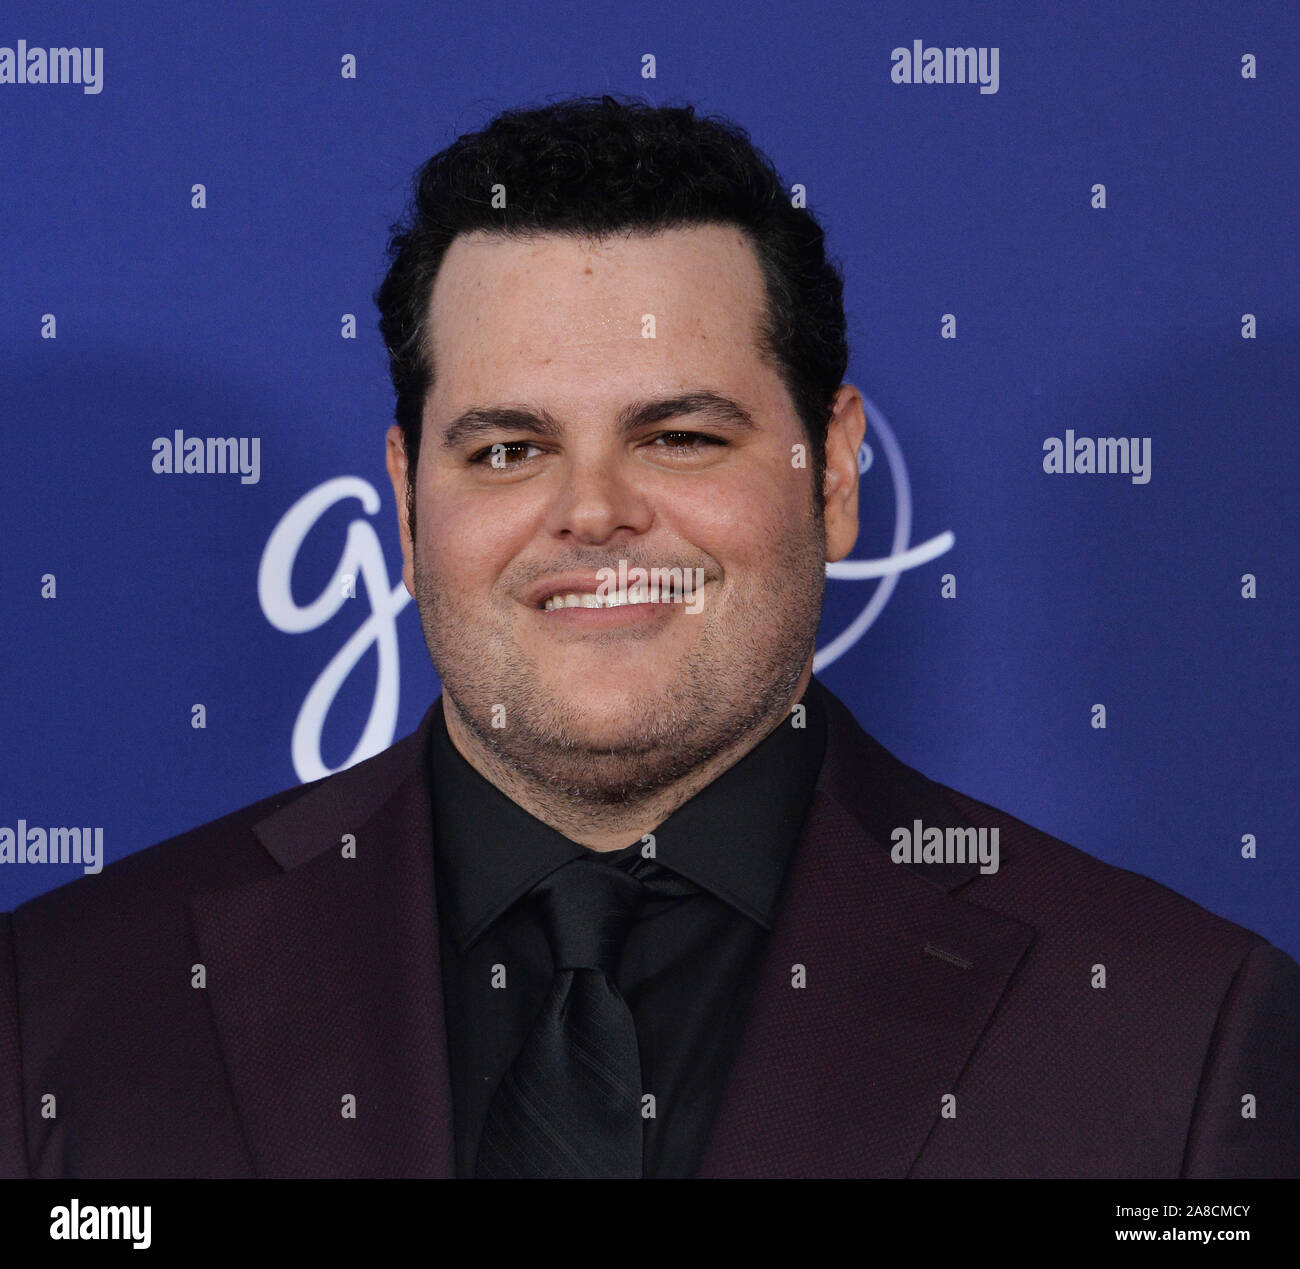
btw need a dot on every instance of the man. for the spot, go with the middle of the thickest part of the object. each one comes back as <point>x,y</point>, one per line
<point>631,901</point>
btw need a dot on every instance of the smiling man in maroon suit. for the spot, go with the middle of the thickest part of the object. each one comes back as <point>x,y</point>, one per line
<point>634,900</point>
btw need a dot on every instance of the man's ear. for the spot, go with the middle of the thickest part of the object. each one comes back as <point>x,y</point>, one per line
<point>844,435</point>
<point>395,459</point>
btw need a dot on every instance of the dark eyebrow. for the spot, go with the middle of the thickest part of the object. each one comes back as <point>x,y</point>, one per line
<point>713,406</point>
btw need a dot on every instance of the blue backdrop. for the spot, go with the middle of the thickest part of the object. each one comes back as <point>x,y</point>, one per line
<point>1110,236</point>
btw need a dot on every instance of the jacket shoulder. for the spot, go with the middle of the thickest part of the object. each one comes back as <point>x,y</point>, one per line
<point>1079,905</point>
<point>1051,882</point>
<point>223,852</point>
<point>220,852</point>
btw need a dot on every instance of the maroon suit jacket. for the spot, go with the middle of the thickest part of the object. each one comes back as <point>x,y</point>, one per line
<point>323,980</point>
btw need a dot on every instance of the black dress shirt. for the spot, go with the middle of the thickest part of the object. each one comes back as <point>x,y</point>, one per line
<point>689,964</point>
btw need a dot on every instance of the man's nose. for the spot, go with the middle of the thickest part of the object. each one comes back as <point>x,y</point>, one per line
<point>599,496</point>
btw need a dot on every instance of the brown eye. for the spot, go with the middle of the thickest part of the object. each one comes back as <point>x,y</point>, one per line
<point>502,451</point>
<point>693,440</point>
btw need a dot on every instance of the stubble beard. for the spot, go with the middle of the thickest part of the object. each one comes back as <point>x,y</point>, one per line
<point>731,687</point>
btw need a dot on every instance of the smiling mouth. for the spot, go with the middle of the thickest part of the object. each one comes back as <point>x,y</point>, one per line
<point>589,599</point>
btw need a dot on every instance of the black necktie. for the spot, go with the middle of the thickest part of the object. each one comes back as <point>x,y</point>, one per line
<point>570,1103</point>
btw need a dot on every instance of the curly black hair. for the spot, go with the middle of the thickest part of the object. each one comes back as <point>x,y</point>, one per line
<point>592,166</point>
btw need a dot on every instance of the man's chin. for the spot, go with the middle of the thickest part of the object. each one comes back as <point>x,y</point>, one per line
<point>607,768</point>
<point>622,699</point>
<point>609,726</point>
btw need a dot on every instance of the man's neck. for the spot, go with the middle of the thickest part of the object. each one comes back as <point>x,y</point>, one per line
<point>602,826</point>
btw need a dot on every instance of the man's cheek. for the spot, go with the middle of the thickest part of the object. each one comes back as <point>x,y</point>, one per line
<point>727,521</point>
<point>465,578</point>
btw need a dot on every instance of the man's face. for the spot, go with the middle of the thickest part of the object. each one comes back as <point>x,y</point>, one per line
<point>608,703</point>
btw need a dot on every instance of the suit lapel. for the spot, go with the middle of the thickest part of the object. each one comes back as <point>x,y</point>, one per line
<point>844,1075</point>
<point>325,981</point>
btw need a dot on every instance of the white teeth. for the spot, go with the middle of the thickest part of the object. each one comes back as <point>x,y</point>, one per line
<point>640,593</point>
<point>635,595</point>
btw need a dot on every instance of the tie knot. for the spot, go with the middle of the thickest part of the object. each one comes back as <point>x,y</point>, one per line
<point>587,908</point>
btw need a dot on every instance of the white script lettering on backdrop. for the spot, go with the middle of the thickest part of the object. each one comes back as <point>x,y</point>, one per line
<point>362,561</point>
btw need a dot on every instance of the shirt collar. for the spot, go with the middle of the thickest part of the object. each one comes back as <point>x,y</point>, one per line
<point>734,838</point>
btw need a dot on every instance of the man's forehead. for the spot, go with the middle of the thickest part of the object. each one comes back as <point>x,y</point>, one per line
<point>702,277</point>
<point>704,240</point>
